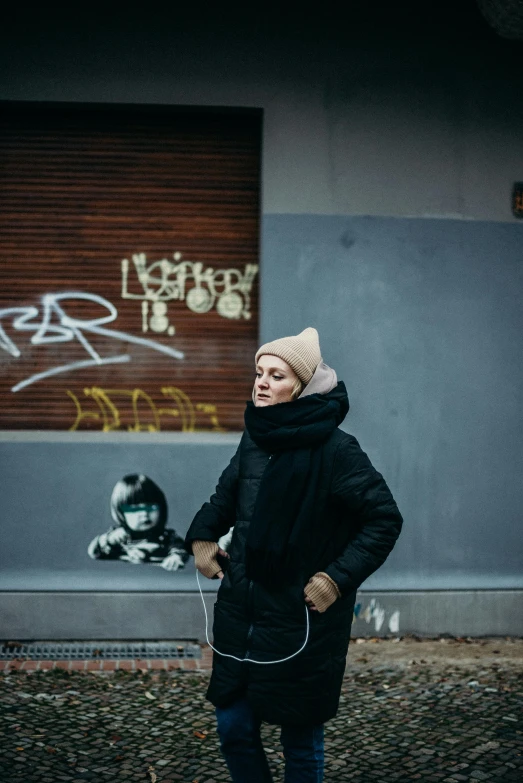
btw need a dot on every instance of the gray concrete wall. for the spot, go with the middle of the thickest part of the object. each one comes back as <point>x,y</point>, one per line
<point>422,320</point>
<point>59,495</point>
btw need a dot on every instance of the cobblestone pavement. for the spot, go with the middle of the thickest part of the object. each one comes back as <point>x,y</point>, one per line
<point>431,717</point>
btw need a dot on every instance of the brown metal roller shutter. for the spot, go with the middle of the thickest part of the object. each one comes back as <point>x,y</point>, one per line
<point>128,237</point>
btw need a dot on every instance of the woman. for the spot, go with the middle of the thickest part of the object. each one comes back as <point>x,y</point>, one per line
<point>312,519</point>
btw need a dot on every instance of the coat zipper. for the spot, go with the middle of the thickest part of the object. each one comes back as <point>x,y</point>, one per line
<point>250,608</point>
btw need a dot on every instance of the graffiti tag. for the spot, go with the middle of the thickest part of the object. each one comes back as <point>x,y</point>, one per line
<point>53,324</point>
<point>135,411</point>
<point>374,611</point>
<point>201,289</point>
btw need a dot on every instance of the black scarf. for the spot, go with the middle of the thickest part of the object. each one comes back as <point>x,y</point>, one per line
<point>280,541</point>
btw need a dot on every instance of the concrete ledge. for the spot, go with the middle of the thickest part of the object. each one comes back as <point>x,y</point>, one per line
<point>103,438</point>
<point>160,615</point>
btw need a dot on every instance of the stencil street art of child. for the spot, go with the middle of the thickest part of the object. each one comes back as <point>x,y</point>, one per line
<point>139,534</point>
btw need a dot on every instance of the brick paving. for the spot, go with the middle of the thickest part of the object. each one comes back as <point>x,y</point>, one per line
<point>101,665</point>
<point>441,720</point>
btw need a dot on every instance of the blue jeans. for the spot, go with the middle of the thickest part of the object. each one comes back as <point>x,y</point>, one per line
<point>239,733</point>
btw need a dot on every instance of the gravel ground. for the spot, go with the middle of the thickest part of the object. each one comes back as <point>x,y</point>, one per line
<point>442,710</point>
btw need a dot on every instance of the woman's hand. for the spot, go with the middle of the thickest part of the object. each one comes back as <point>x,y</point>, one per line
<point>205,558</point>
<point>310,602</point>
<point>222,553</point>
<point>320,592</point>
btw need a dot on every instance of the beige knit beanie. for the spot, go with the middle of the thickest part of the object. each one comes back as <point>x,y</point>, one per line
<point>300,351</point>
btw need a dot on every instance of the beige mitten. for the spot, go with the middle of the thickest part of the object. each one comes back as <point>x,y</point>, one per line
<point>205,558</point>
<point>322,590</point>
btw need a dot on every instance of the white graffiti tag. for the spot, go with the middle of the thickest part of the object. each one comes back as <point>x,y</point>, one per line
<point>201,288</point>
<point>54,325</point>
<point>375,611</point>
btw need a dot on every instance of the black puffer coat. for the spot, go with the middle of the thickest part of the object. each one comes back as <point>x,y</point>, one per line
<point>359,526</point>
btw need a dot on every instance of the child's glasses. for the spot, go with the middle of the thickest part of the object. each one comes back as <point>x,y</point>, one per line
<point>139,507</point>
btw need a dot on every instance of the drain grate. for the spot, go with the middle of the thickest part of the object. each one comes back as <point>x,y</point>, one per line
<point>81,651</point>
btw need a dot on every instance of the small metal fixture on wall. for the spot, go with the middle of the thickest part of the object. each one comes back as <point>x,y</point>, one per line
<point>517,200</point>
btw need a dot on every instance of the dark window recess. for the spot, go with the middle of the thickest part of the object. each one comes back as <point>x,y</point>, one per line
<point>128,267</point>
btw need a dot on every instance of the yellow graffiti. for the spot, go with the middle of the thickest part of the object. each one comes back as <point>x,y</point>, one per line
<point>135,411</point>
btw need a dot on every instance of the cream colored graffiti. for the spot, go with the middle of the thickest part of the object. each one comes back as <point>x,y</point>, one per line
<point>135,411</point>
<point>201,289</point>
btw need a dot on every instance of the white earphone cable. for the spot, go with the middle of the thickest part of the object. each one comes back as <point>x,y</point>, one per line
<point>249,660</point>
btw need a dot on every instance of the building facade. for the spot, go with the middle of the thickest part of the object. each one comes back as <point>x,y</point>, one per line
<point>388,155</point>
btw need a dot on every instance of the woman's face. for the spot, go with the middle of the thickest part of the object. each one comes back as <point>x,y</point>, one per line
<point>274,381</point>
